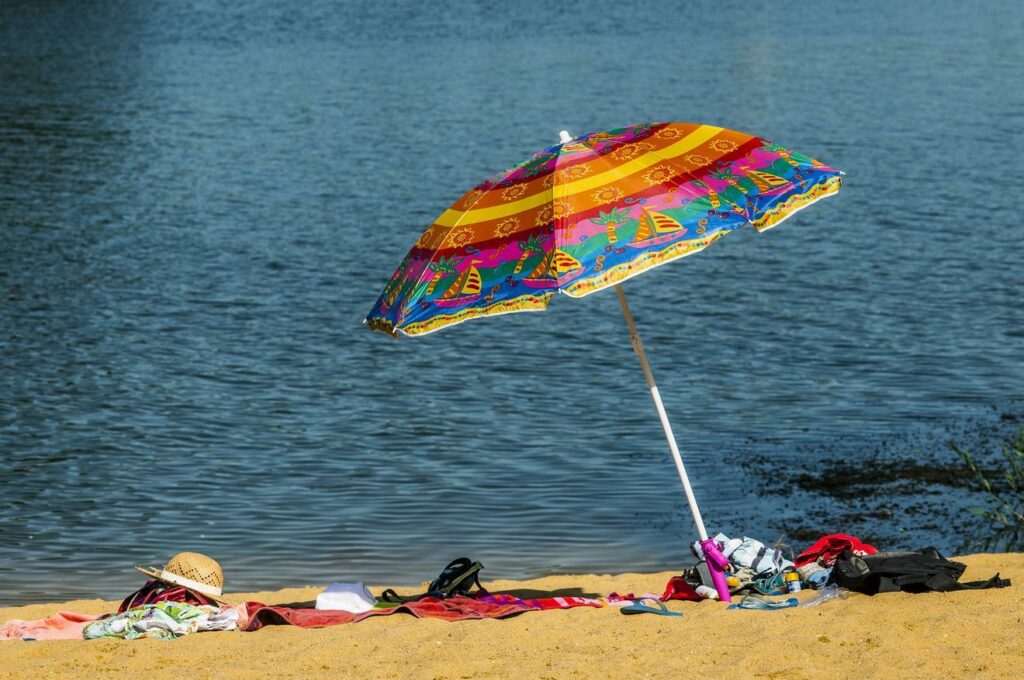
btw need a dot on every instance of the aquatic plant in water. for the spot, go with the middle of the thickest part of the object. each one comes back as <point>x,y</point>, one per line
<point>1007,495</point>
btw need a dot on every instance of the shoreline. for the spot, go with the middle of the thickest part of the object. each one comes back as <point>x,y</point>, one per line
<point>886,635</point>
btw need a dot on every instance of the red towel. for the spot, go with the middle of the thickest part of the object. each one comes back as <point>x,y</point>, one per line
<point>827,548</point>
<point>452,609</point>
<point>558,602</point>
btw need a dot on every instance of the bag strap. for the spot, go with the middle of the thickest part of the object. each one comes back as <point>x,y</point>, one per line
<point>993,582</point>
<point>391,597</point>
<point>141,596</point>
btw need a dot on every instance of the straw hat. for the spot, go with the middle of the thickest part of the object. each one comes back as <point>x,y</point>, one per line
<point>195,571</point>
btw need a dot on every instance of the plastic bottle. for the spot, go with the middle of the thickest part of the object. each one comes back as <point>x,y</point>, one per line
<point>792,581</point>
<point>827,593</point>
<point>707,592</point>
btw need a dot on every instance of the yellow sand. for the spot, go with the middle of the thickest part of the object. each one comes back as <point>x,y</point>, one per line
<point>967,634</point>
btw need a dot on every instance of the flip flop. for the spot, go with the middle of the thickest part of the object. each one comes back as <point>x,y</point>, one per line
<point>773,585</point>
<point>641,607</point>
<point>761,602</point>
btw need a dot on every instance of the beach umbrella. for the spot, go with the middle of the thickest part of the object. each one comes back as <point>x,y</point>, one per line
<point>588,213</point>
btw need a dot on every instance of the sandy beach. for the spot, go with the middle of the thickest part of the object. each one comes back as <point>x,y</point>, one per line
<point>967,634</point>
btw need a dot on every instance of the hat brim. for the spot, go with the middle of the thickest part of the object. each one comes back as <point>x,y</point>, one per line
<point>173,579</point>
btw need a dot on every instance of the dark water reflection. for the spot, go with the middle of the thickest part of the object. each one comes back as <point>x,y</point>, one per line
<point>199,202</point>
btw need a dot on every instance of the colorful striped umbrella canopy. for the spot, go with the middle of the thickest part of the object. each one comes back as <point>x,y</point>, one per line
<point>592,212</point>
<point>589,213</point>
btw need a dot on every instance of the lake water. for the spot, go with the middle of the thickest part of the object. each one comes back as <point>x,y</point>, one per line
<point>200,201</point>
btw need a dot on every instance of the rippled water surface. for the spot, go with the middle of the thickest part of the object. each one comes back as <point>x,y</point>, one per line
<point>199,202</point>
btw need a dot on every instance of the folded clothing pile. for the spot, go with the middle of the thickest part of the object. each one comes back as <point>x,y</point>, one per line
<point>164,620</point>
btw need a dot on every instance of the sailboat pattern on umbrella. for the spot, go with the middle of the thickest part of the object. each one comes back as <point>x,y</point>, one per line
<point>655,227</point>
<point>465,289</point>
<point>585,215</point>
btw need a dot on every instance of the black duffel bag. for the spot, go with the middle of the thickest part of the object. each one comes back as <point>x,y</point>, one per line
<point>910,572</point>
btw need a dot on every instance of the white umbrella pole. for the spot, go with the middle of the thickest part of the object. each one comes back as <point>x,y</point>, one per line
<point>638,347</point>
<point>717,562</point>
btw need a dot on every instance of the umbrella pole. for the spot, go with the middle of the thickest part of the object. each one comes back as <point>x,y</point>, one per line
<point>638,347</point>
<point>712,553</point>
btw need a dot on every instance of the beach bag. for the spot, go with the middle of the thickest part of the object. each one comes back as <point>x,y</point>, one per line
<point>748,553</point>
<point>910,572</point>
<point>156,591</point>
<point>458,578</point>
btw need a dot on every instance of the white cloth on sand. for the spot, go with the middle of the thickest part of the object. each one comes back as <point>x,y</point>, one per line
<point>349,597</point>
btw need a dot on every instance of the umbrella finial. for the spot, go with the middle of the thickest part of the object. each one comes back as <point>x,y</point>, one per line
<point>565,137</point>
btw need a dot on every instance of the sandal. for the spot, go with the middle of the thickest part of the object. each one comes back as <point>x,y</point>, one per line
<point>771,585</point>
<point>641,607</point>
<point>455,579</point>
<point>756,601</point>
